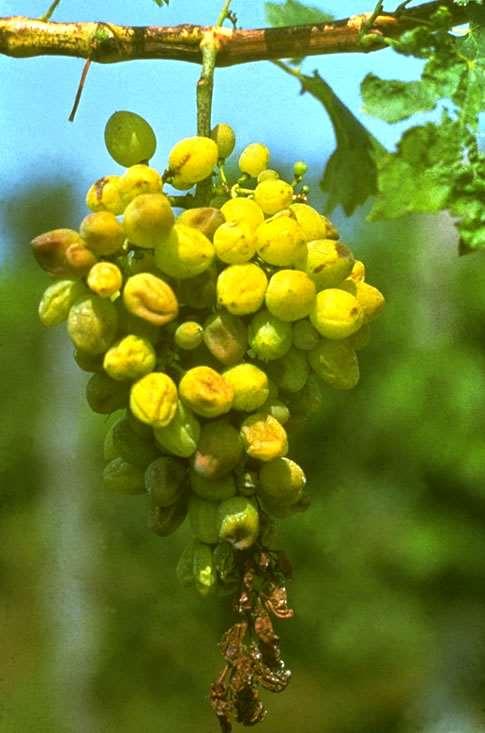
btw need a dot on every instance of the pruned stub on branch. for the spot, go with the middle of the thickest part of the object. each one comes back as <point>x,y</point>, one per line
<point>251,647</point>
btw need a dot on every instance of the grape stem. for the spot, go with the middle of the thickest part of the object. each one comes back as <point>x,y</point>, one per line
<point>209,46</point>
<point>50,10</point>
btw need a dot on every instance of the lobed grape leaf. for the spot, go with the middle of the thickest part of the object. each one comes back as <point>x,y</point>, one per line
<point>293,12</point>
<point>350,176</point>
<point>436,166</point>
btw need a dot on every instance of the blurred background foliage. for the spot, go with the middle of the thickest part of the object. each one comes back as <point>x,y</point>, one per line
<point>389,561</point>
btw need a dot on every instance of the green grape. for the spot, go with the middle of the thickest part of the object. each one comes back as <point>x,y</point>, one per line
<point>153,399</point>
<point>130,445</point>
<point>102,233</point>
<point>250,385</point>
<point>234,243</point>
<point>92,324</point>
<point>243,211</point>
<point>62,253</point>
<point>184,253</point>
<point>300,168</point>
<point>336,314</point>
<point>189,335</point>
<point>191,160</point>
<point>310,221</point>
<point>130,358</point>
<point>305,336</point>
<point>327,262</point>
<point>219,450</point>
<point>104,395</point>
<point>166,520</point>
<point>206,391</point>
<point>264,438</point>
<point>282,481</point>
<point>121,477</point>
<point>224,561</point>
<point>110,451</point>
<point>199,292</point>
<point>138,180</point>
<point>291,371</point>
<point>226,337</point>
<point>164,481</point>
<point>280,241</point>
<point>336,363</point>
<point>151,298</point>
<point>241,288</point>
<point>88,362</point>
<point>204,519</point>
<point>254,159</point>
<point>148,219</point>
<point>238,522</point>
<point>269,337</point>
<point>129,138</point>
<point>182,434</point>
<point>185,566</point>
<point>307,403</point>
<point>276,409</point>
<point>204,218</point>
<point>273,195</point>
<point>104,195</point>
<point>290,295</point>
<point>213,489</point>
<point>57,300</point>
<point>105,279</point>
<point>205,577</point>
<point>225,139</point>
<point>370,299</point>
<point>268,175</point>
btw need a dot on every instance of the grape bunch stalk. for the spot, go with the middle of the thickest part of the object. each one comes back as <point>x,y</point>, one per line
<point>211,330</point>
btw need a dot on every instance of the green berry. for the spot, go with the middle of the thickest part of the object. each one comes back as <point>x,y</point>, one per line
<point>189,335</point>
<point>129,138</point>
<point>238,522</point>
<point>92,324</point>
<point>269,337</point>
<point>225,139</point>
<point>104,395</point>
<point>165,521</point>
<point>219,450</point>
<point>164,481</point>
<point>290,372</point>
<point>305,336</point>
<point>181,435</point>
<point>212,489</point>
<point>281,480</point>
<point>121,477</point>
<point>226,337</point>
<point>336,363</point>
<point>134,448</point>
<point>57,300</point>
<point>205,577</point>
<point>204,519</point>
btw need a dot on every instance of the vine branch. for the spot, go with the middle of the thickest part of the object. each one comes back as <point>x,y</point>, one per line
<point>22,37</point>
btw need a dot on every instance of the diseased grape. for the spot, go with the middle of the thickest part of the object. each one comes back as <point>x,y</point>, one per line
<point>290,295</point>
<point>238,522</point>
<point>129,138</point>
<point>62,253</point>
<point>191,160</point>
<point>184,253</point>
<point>137,180</point>
<point>336,314</point>
<point>234,243</point>
<point>204,218</point>
<point>105,279</point>
<point>264,438</point>
<point>151,298</point>
<point>336,363</point>
<point>273,195</point>
<point>226,337</point>
<point>206,391</point>
<point>104,195</point>
<point>57,300</point>
<point>243,211</point>
<point>280,241</point>
<point>153,399</point>
<point>241,288</point>
<point>148,219</point>
<point>250,385</point>
<point>102,233</point>
<point>189,335</point>
<point>225,139</point>
<point>219,450</point>
<point>130,358</point>
<point>182,434</point>
<point>327,262</point>
<point>92,324</point>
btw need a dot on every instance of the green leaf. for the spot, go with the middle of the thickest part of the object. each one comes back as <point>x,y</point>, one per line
<point>292,12</point>
<point>161,3</point>
<point>419,176</point>
<point>466,203</point>
<point>468,2</point>
<point>395,100</point>
<point>350,176</point>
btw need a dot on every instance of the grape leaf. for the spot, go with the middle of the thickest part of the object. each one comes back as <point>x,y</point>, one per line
<point>468,2</point>
<point>350,176</point>
<point>395,100</point>
<point>161,3</point>
<point>466,203</point>
<point>293,12</point>
<point>417,178</point>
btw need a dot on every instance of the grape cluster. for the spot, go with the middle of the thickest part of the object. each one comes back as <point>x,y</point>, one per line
<point>210,333</point>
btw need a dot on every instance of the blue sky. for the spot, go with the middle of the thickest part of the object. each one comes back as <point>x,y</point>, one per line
<point>259,100</point>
